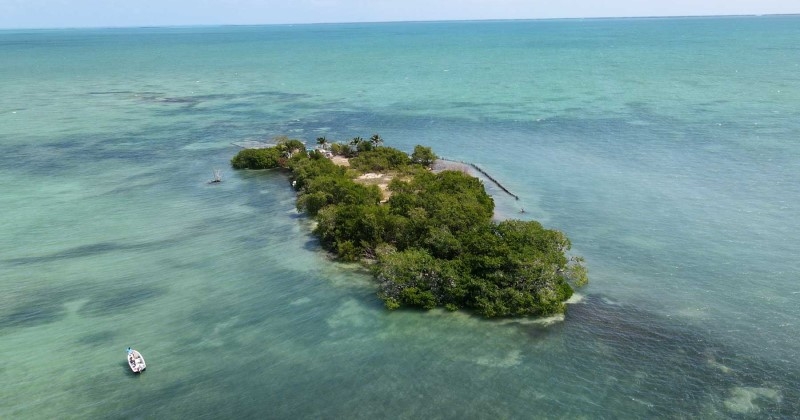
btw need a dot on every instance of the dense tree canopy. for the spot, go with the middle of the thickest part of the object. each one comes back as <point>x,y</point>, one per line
<point>434,242</point>
<point>379,159</point>
<point>423,155</point>
<point>271,157</point>
<point>257,159</point>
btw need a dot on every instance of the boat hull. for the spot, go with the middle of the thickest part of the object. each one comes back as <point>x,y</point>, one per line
<point>136,361</point>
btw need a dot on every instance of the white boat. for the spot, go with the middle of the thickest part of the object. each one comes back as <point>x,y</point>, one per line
<point>136,361</point>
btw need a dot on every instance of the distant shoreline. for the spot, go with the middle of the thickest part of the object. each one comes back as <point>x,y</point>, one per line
<point>288,24</point>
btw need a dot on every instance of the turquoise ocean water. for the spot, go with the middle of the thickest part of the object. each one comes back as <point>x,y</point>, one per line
<point>668,150</point>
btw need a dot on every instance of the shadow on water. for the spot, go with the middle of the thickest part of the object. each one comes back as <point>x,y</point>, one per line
<point>48,306</point>
<point>41,305</point>
<point>96,339</point>
<point>33,313</point>
<point>121,298</point>
<point>312,244</point>
<point>71,152</point>
<point>674,368</point>
<point>91,250</point>
<point>76,252</point>
<point>629,360</point>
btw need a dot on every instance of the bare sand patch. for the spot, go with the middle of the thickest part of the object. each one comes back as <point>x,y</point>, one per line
<point>381,180</point>
<point>340,160</point>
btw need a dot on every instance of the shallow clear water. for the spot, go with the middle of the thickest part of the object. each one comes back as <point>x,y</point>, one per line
<point>667,150</point>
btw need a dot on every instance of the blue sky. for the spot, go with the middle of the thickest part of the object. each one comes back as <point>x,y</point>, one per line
<point>105,13</point>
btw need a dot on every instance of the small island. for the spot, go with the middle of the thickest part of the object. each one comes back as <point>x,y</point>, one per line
<point>428,237</point>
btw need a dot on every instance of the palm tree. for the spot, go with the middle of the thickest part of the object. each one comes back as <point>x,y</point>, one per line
<point>322,141</point>
<point>355,141</point>
<point>285,152</point>
<point>376,140</point>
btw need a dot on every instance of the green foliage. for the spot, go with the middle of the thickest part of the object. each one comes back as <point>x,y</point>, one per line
<point>391,304</point>
<point>287,145</point>
<point>364,146</point>
<point>340,149</point>
<point>271,157</point>
<point>511,268</point>
<point>412,296</point>
<point>304,170</point>
<point>450,199</point>
<point>379,159</point>
<point>348,252</point>
<point>434,242</point>
<point>415,278</point>
<point>257,159</point>
<point>355,147</point>
<point>576,272</point>
<point>423,155</point>
<point>312,203</point>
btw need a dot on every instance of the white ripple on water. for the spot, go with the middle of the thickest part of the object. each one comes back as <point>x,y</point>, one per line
<point>745,400</point>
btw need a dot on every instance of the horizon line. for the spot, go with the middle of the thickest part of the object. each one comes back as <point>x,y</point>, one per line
<point>212,25</point>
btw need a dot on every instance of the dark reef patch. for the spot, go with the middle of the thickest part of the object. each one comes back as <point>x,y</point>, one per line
<point>33,314</point>
<point>671,366</point>
<point>120,298</point>
<point>97,339</point>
